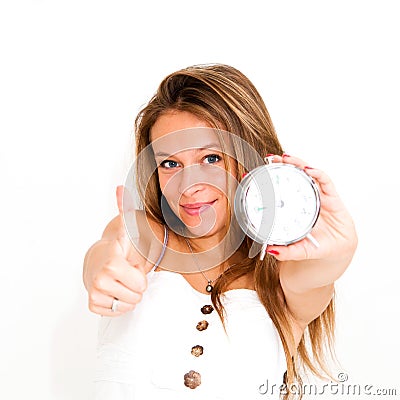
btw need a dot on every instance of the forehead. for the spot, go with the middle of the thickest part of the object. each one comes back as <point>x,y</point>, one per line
<point>175,132</point>
<point>173,121</point>
<point>186,140</point>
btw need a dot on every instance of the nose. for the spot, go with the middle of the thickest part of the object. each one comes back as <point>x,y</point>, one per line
<point>189,182</point>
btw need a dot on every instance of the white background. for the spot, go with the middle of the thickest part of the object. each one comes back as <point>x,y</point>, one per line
<point>74,75</point>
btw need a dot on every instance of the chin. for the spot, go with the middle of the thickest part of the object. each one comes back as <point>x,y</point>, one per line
<point>199,231</point>
<point>205,223</point>
<point>205,226</point>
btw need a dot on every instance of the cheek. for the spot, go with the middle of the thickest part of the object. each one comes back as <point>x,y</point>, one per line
<point>224,202</point>
<point>168,188</point>
<point>163,181</point>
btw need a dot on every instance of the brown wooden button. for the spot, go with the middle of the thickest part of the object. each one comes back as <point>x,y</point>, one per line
<point>202,325</point>
<point>197,350</point>
<point>207,309</point>
<point>192,379</point>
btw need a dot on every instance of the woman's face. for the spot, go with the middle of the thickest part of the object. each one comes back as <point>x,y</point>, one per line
<point>191,171</point>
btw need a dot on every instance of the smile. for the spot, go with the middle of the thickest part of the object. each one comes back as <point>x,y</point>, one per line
<point>196,208</point>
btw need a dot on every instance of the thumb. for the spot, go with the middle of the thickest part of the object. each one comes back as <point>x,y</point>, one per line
<point>129,233</point>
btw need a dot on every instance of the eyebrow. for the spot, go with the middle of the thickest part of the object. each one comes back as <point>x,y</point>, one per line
<point>205,147</point>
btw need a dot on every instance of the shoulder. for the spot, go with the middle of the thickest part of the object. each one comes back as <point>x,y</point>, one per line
<point>151,235</point>
<point>148,232</point>
<point>147,227</point>
<point>151,229</point>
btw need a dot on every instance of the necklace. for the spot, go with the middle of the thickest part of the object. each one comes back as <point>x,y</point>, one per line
<point>209,287</point>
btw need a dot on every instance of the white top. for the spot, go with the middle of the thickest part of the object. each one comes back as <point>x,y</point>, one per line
<point>144,354</point>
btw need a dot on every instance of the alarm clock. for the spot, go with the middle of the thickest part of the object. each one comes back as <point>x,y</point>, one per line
<point>277,204</point>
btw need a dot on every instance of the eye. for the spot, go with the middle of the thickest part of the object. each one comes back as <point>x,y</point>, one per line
<point>169,164</point>
<point>212,158</point>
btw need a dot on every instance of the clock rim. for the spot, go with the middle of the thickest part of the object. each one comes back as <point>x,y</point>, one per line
<point>245,184</point>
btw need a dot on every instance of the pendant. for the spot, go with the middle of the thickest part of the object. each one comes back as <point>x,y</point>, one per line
<point>209,287</point>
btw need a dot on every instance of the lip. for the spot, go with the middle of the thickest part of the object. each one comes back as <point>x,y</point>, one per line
<point>196,208</point>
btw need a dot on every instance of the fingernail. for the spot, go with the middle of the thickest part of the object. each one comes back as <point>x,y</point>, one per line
<point>285,155</point>
<point>273,252</point>
<point>244,174</point>
<point>269,155</point>
<point>308,168</point>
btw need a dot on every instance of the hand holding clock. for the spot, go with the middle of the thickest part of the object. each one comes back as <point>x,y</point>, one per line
<point>334,229</point>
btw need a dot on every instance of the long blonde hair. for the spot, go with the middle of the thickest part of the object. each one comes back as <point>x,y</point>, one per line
<point>223,97</point>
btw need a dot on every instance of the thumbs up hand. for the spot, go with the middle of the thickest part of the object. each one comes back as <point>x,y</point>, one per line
<point>113,268</point>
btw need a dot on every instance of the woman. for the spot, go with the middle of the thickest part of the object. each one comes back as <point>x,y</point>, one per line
<point>167,341</point>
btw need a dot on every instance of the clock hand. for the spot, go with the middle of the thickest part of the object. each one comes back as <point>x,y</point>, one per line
<point>278,204</point>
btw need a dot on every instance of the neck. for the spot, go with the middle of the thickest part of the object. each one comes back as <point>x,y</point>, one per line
<point>200,250</point>
<point>204,244</point>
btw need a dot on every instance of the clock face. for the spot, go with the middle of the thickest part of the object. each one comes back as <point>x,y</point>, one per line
<point>280,204</point>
